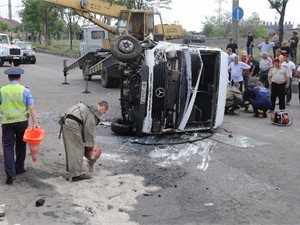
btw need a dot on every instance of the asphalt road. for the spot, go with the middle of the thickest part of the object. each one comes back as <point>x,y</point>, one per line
<point>247,172</point>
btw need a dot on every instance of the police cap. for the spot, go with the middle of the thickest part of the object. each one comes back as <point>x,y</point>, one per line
<point>14,71</point>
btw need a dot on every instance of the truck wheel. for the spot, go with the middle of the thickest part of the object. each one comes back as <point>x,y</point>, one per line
<point>17,62</point>
<point>33,60</point>
<point>126,48</point>
<point>117,82</point>
<point>106,81</point>
<point>119,127</point>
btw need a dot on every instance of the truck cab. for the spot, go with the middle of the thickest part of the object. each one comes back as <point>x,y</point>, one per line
<point>8,52</point>
<point>93,38</point>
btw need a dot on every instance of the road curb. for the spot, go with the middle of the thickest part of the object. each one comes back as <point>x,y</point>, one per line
<point>57,53</point>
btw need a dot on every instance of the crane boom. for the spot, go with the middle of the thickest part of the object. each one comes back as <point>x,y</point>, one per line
<point>91,6</point>
<point>138,23</point>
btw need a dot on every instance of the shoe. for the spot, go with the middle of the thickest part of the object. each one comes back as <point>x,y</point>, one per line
<point>288,103</point>
<point>256,115</point>
<point>20,171</point>
<point>81,177</point>
<point>232,113</point>
<point>10,180</point>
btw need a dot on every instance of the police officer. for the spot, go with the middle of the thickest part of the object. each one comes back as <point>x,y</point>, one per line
<point>16,103</point>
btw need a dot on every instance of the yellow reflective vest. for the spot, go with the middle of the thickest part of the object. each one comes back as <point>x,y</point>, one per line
<point>12,108</point>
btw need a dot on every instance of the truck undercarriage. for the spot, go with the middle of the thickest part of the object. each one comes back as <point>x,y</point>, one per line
<point>170,88</point>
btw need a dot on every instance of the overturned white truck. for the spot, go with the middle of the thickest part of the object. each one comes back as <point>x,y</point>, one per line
<point>169,87</point>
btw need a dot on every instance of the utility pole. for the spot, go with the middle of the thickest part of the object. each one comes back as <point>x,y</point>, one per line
<point>235,24</point>
<point>9,10</point>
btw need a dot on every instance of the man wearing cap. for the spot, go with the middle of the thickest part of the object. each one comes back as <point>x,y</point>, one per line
<point>15,102</point>
<point>279,79</point>
<point>78,129</point>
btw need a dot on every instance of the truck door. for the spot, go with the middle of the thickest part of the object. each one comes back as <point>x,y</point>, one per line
<point>92,40</point>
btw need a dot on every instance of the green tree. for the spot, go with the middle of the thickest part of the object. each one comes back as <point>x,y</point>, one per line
<point>33,17</point>
<point>37,17</point>
<point>280,7</point>
<point>253,24</point>
<point>71,19</point>
<point>217,26</point>
<point>221,25</point>
<point>4,27</point>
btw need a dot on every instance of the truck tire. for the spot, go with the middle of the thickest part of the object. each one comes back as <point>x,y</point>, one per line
<point>118,127</point>
<point>33,60</point>
<point>126,48</point>
<point>106,81</point>
<point>17,62</point>
<point>1,62</point>
<point>117,82</point>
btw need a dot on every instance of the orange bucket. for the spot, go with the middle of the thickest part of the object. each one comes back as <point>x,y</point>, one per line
<point>34,137</point>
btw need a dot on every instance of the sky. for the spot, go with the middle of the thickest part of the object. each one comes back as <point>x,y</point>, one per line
<point>191,13</point>
<point>16,6</point>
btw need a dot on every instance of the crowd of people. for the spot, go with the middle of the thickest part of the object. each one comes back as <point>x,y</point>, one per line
<point>258,83</point>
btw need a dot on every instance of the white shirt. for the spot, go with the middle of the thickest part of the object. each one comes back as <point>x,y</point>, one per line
<point>231,58</point>
<point>236,70</point>
<point>291,67</point>
<point>265,64</point>
<point>265,47</point>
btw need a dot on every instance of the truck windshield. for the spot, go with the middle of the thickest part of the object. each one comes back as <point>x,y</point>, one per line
<point>122,23</point>
<point>4,39</point>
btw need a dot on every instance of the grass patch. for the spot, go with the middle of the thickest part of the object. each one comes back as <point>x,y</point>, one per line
<point>60,46</point>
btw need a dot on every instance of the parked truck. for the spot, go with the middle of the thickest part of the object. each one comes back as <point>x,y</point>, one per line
<point>164,87</point>
<point>8,52</point>
<point>171,31</point>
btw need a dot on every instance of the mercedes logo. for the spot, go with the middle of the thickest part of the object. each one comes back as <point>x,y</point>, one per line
<point>160,92</point>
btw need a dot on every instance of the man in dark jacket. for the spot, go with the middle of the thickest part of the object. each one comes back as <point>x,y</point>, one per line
<point>293,46</point>
<point>260,99</point>
<point>233,46</point>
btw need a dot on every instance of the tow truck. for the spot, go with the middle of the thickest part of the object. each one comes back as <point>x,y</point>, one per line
<point>131,22</point>
<point>164,87</point>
